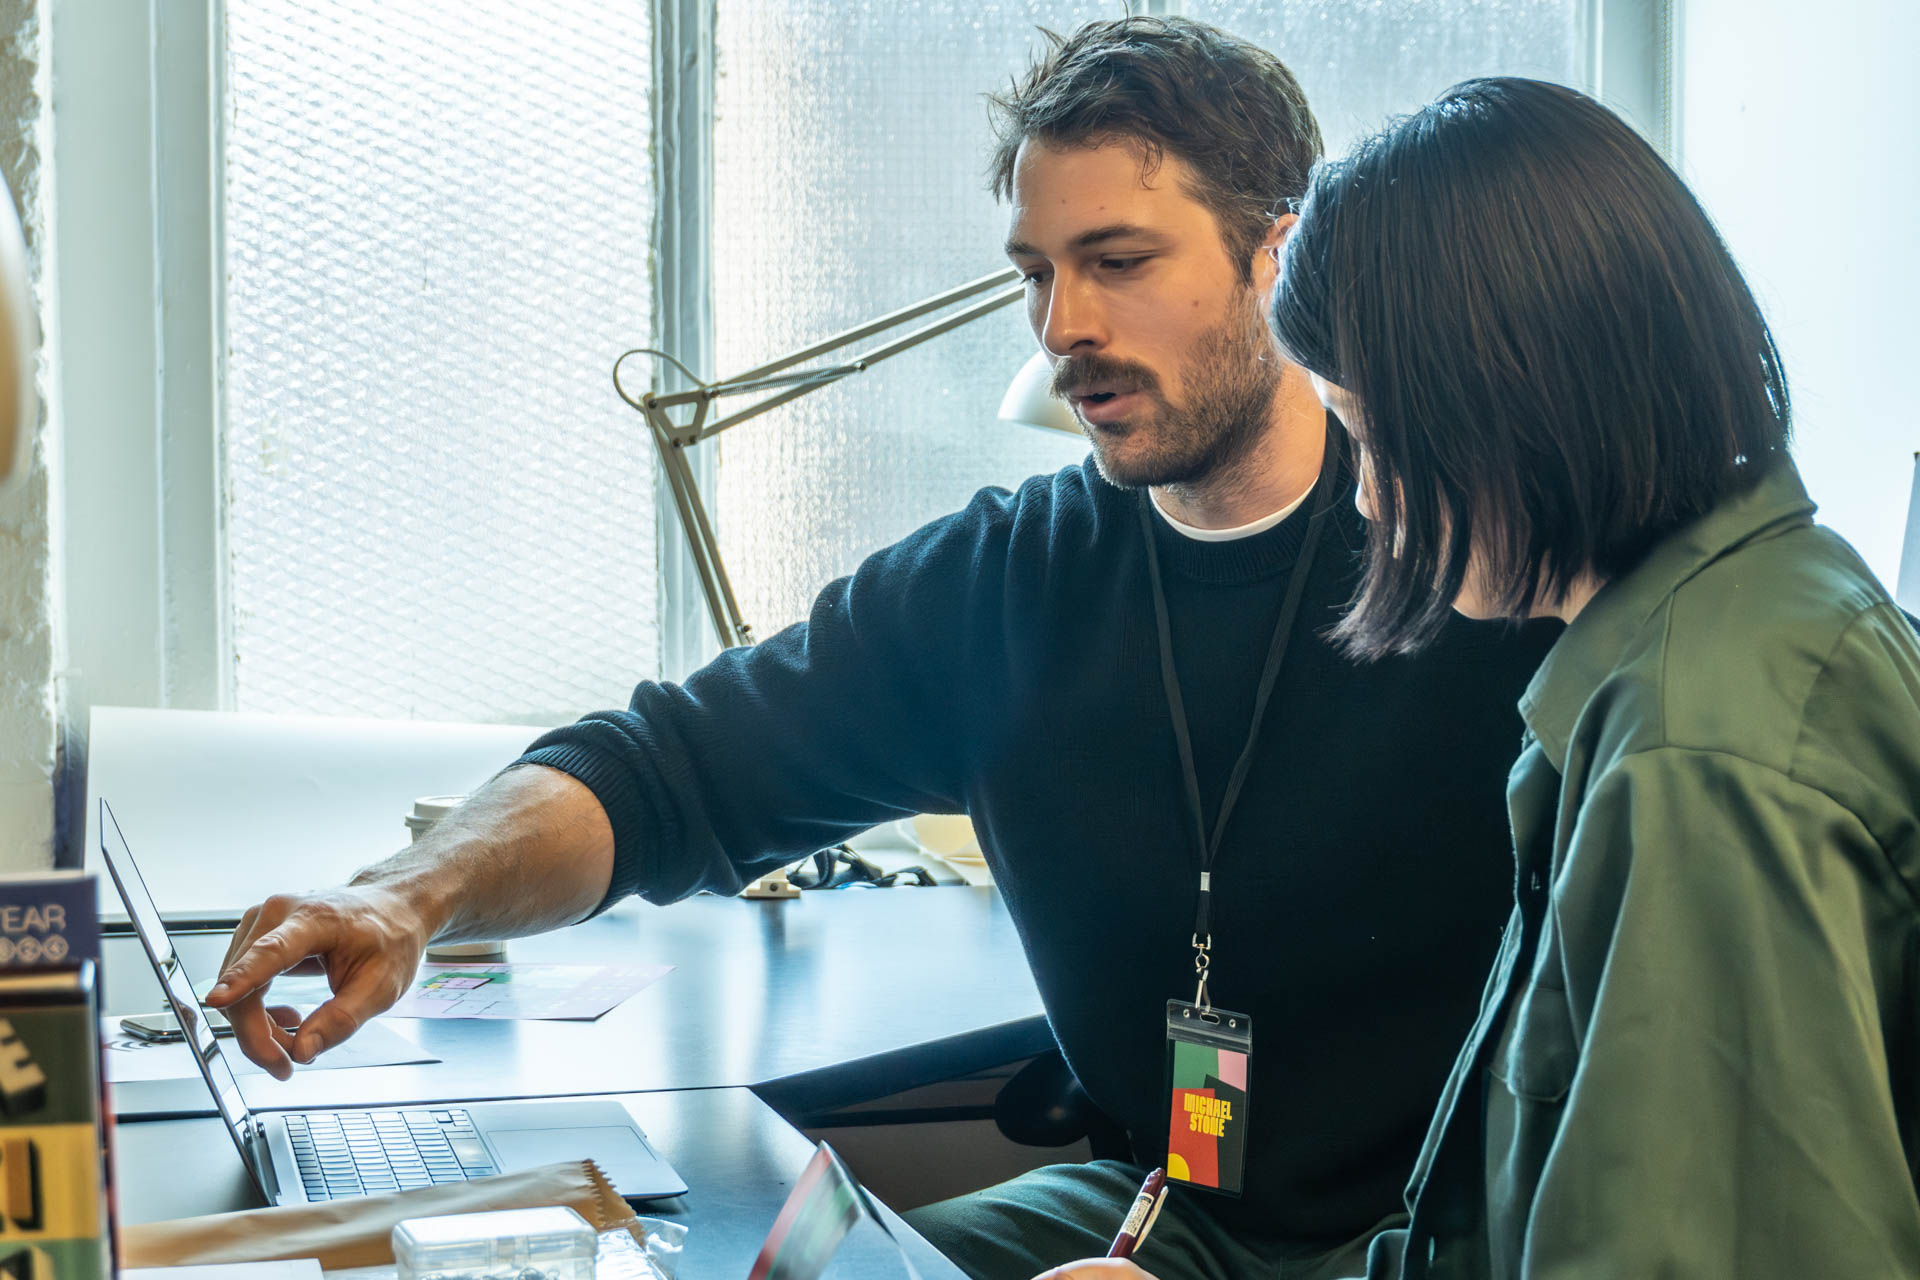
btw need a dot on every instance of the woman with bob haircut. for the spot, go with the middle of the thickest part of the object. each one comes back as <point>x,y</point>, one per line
<point>1698,1054</point>
<point>1699,1050</point>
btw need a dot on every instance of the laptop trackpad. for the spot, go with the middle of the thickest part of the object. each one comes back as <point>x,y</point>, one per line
<point>618,1151</point>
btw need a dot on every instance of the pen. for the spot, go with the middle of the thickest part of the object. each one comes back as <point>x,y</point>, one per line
<point>1139,1220</point>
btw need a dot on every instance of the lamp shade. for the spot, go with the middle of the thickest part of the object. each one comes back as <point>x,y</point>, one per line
<point>1030,399</point>
<point>19,407</point>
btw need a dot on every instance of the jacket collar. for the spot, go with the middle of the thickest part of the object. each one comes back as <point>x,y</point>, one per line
<point>1593,645</point>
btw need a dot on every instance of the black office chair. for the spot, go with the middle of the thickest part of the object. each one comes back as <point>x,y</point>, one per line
<point>1044,1105</point>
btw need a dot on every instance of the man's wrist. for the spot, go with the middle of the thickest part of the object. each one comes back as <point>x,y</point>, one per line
<point>428,894</point>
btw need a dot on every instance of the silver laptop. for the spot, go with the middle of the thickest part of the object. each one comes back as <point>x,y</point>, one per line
<point>300,1156</point>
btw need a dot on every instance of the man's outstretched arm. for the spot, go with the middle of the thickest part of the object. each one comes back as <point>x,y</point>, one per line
<point>762,756</point>
<point>530,851</point>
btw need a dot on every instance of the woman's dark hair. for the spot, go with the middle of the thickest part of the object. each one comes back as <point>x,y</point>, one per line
<point>1229,109</point>
<point>1553,354</point>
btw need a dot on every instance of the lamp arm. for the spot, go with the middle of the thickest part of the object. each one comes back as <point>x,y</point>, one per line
<point>798,383</point>
<point>861,364</point>
<point>672,439</point>
<point>703,544</point>
<point>892,320</point>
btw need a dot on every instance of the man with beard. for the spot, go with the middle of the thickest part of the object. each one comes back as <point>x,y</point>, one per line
<point>1120,672</point>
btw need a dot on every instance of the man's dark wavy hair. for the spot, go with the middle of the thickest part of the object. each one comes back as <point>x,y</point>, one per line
<point>1170,86</point>
<point>1552,352</point>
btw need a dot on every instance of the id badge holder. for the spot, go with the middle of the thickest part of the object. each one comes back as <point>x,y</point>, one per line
<point>1209,1053</point>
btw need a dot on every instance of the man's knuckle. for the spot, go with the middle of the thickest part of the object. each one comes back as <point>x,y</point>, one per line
<point>278,906</point>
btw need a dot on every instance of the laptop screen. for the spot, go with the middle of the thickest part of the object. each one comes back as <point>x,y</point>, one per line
<point>207,1054</point>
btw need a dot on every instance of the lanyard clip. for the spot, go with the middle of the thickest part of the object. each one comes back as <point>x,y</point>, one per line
<point>1201,962</point>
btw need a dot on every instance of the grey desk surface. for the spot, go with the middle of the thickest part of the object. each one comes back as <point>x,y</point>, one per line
<point>830,999</point>
<point>738,1157</point>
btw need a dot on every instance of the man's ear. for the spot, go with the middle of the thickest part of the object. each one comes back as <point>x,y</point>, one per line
<point>1266,258</point>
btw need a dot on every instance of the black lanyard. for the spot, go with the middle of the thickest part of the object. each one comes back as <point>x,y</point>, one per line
<point>1176,706</point>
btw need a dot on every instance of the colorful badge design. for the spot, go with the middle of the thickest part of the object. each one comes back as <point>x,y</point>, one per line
<point>1207,1118</point>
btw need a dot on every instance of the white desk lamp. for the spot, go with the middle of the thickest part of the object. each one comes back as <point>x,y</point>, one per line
<point>1030,399</point>
<point>1027,401</point>
<point>19,407</point>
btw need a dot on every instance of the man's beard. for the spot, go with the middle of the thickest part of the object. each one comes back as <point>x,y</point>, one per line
<point>1231,379</point>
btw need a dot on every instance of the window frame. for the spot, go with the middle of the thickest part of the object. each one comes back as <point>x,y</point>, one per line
<point>136,148</point>
<point>138,153</point>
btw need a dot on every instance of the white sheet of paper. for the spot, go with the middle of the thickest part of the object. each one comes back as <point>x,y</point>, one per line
<point>291,1269</point>
<point>131,1059</point>
<point>555,992</point>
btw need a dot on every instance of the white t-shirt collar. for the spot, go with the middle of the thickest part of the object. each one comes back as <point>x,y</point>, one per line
<point>1261,525</point>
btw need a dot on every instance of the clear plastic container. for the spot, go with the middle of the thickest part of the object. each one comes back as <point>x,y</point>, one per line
<point>509,1244</point>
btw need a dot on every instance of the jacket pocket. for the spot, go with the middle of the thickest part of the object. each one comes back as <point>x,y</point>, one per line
<point>1537,1055</point>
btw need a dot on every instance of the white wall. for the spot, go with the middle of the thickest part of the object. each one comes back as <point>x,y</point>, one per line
<point>1796,128</point>
<point>30,639</point>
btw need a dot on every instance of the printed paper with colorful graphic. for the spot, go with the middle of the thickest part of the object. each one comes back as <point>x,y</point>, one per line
<point>1207,1126</point>
<point>562,992</point>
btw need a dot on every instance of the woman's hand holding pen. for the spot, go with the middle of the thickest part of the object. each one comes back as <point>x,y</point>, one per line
<point>1118,1265</point>
<point>1097,1269</point>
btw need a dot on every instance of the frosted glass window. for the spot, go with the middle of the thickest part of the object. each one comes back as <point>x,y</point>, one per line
<point>437,225</point>
<point>1361,62</point>
<point>850,159</point>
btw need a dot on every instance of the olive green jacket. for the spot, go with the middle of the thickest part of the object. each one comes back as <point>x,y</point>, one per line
<point>1699,1051</point>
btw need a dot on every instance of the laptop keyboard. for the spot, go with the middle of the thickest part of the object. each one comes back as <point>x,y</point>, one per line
<point>354,1153</point>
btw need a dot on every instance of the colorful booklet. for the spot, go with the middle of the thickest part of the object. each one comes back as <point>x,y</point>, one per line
<point>822,1208</point>
<point>54,1204</point>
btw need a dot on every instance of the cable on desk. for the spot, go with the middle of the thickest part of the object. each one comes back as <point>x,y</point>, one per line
<point>841,868</point>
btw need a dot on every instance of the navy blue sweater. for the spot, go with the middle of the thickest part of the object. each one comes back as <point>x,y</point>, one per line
<point>1003,662</point>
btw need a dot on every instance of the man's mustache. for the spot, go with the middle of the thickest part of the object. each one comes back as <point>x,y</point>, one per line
<point>1113,375</point>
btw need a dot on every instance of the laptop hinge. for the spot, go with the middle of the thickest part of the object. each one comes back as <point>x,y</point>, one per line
<point>263,1158</point>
